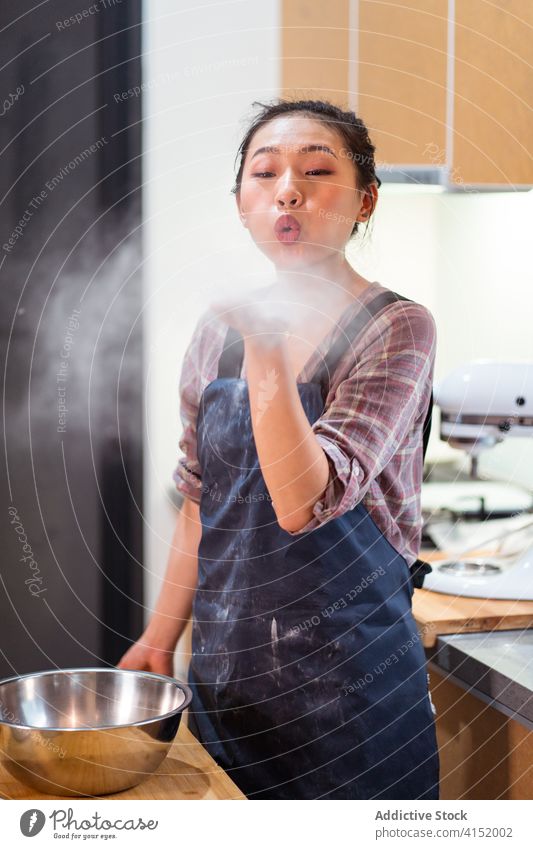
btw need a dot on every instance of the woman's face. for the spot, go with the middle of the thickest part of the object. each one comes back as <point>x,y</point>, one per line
<point>317,187</point>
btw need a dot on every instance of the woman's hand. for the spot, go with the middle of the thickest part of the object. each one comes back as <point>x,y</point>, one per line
<point>258,313</point>
<point>146,657</point>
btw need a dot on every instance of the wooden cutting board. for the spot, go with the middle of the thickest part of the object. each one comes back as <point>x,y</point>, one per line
<point>438,613</point>
<point>188,772</point>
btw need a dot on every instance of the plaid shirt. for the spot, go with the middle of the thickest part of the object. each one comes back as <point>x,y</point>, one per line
<point>371,426</point>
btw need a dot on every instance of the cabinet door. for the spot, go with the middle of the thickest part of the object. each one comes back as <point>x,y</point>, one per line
<point>493,122</point>
<point>314,50</point>
<point>402,71</point>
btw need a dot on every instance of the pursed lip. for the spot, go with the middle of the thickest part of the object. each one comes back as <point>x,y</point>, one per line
<point>285,222</point>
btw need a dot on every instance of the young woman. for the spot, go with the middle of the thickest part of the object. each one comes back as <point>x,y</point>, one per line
<point>303,407</point>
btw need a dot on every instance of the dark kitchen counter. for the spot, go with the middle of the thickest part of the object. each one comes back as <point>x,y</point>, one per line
<point>497,667</point>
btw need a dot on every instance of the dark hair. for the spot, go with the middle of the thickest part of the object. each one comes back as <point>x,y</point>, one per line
<point>352,130</point>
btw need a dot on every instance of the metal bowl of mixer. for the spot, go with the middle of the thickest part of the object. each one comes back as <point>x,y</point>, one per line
<point>88,731</point>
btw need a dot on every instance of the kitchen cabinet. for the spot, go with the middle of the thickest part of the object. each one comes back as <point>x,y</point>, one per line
<point>493,103</point>
<point>484,754</point>
<point>441,86</point>
<point>314,47</point>
<point>481,684</point>
<point>401,79</point>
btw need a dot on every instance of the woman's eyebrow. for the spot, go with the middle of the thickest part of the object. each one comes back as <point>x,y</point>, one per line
<point>307,148</point>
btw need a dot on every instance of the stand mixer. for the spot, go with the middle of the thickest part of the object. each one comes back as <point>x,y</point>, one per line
<point>481,404</point>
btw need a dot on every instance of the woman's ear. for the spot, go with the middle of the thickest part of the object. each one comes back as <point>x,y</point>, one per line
<point>242,214</point>
<point>370,199</point>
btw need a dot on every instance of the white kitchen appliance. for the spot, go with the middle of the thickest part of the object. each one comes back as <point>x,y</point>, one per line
<point>481,404</point>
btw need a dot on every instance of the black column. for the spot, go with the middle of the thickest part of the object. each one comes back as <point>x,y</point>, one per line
<point>71,295</point>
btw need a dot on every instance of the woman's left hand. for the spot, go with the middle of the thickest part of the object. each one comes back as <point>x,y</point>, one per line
<point>258,313</point>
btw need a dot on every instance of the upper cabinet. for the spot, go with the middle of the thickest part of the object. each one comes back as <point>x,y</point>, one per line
<point>441,84</point>
<point>493,102</point>
<point>315,48</point>
<point>401,87</point>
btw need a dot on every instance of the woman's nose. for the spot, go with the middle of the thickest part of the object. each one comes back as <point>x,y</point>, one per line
<point>289,198</point>
<point>288,195</point>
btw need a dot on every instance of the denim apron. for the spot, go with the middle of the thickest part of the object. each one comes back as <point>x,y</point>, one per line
<point>307,670</point>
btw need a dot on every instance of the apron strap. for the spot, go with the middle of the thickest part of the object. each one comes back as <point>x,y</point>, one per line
<point>231,358</point>
<point>419,568</point>
<point>329,363</point>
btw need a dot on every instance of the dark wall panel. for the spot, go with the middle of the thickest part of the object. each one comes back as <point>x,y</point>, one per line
<point>71,303</point>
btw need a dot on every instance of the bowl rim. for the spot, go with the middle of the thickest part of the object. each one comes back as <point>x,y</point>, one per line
<point>110,669</point>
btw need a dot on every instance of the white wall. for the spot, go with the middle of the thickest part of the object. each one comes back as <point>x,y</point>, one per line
<point>485,297</point>
<point>466,257</point>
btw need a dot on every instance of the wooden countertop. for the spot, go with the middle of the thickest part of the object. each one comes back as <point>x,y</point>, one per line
<point>439,613</point>
<point>188,772</point>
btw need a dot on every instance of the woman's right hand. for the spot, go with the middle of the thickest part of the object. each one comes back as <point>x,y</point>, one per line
<point>154,649</point>
<point>145,656</point>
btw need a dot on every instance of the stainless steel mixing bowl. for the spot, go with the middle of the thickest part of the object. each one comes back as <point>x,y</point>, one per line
<point>88,731</point>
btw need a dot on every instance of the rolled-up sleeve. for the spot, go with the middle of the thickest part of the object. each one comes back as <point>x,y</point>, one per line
<point>374,409</point>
